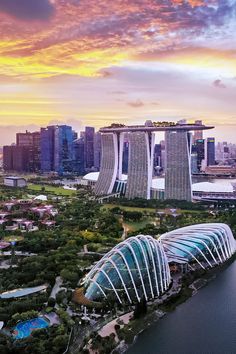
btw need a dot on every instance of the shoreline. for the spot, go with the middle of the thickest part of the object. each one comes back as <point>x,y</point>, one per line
<point>183,287</point>
<point>136,327</point>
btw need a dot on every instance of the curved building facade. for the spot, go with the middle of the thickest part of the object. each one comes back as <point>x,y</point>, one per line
<point>134,269</point>
<point>178,180</point>
<point>206,244</point>
<point>109,164</point>
<point>140,165</point>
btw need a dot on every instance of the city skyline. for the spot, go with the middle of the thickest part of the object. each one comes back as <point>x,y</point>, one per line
<point>62,62</point>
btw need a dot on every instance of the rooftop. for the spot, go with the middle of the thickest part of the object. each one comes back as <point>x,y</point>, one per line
<point>14,177</point>
<point>155,127</point>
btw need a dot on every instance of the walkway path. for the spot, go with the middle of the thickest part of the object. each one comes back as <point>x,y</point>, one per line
<point>110,327</point>
<point>126,229</point>
<point>18,253</point>
<point>57,287</point>
<point>7,264</point>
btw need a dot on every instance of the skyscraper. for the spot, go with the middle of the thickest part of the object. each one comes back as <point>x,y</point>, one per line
<point>140,167</point>
<point>157,158</point>
<point>109,164</point>
<point>89,147</point>
<point>210,151</point>
<point>178,183</point>
<point>125,156</point>
<point>97,150</point>
<point>199,149</point>
<point>32,142</point>
<point>47,147</point>
<point>163,154</point>
<point>63,153</point>
<point>194,167</point>
<point>57,149</point>
<point>178,143</point>
<point>198,134</point>
<point>79,156</point>
<point>16,158</point>
<point>8,158</point>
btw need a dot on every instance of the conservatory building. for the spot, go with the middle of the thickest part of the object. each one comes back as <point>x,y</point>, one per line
<point>136,268</point>
<point>139,267</point>
<point>205,244</point>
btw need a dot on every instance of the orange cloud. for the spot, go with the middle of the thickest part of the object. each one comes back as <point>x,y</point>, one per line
<point>81,39</point>
<point>197,57</point>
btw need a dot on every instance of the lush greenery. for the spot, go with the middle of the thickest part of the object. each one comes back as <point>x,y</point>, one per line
<point>82,225</point>
<point>59,252</point>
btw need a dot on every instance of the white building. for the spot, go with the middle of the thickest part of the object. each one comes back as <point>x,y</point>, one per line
<point>14,181</point>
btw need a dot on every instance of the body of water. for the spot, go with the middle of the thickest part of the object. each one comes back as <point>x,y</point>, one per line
<point>24,329</point>
<point>205,324</point>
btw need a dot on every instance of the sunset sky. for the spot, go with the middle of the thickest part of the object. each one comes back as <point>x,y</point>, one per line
<point>93,62</point>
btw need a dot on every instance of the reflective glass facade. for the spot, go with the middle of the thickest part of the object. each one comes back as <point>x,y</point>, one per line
<point>139,266</point>
<point>136,268</point>
<point>57,149</point>
<point>205,244</point>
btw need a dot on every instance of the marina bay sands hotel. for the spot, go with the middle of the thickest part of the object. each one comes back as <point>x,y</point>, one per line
<point>178,181</point>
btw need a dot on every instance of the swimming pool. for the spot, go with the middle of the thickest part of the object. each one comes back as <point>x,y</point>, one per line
<point>24,329</point>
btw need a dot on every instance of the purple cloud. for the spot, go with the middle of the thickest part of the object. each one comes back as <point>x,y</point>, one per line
<point>27,9</point>
<point>219,84</point>
<point>135,104</point>
<point>118,92</point>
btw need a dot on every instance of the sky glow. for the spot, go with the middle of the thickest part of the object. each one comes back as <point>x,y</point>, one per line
<point>93,62</point>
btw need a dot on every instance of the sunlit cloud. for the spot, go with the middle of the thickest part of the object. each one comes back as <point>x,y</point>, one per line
<point>81,40</point>
<point>125,60</point>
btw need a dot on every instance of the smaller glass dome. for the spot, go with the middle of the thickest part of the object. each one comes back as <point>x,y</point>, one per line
<point>206,244</point>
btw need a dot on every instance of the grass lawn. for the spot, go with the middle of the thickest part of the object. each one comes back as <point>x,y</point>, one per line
<point>148,210</point>
<point>137,225</point>
<point>50,189</point>
<point>192,211</point>
<point>127,208</point>
<point>13,238</point>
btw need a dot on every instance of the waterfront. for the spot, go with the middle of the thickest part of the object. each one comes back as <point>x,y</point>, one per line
<point>205,324</point>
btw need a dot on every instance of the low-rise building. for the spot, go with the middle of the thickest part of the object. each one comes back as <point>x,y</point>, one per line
<point>14,181</point>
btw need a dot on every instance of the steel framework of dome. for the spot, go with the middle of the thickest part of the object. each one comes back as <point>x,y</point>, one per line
<point>206,244</point>
<point>134,269</point>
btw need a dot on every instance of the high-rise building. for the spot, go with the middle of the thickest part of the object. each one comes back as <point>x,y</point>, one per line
<point>163,154</point>
<point>89,147</point>
<point>110,163</point>
<point>198,134</point>
<point>16,158</point>
<point>178,183</point>
<point>63,153</point>
<point>32,142</point>
<point>75,135</point>
<point>178,144</point>
<point>97,150</point>
<point>210,151</point>
<point>140,168</point>
<point>194,167</point>
<point>8,158</point>
<point>57,149</point>
<point>21,159</point>
<point>79,156</point>
<point>36,151</point>
<point>47,147</point>
<point>157,159</point>
<point>125,156</point>
<point>199,149</point>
